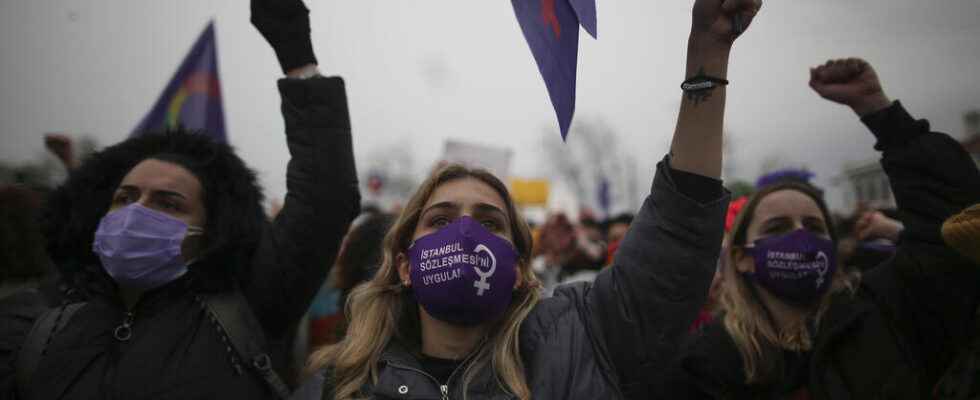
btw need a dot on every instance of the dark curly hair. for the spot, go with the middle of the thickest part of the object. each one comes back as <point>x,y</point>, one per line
<point>232,201</point>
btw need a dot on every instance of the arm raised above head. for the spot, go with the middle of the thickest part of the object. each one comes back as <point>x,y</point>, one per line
<point>299,246</point>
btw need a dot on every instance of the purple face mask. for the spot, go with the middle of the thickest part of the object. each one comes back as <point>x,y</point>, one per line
<point>463,274</point>
<point>140,247</point>
<point>797,267</point>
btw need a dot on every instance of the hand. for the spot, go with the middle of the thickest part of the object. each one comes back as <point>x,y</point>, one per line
<point>717,23</point>
<point>851,82</point>
<point>62,147</point>
<point>875,225</point>
<point>285,24</point>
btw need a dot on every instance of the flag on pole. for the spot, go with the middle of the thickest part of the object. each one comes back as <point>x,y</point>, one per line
<point>551,30</point>
<point>192,99</point>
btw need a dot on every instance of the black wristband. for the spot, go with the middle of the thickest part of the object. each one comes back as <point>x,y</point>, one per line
<point>701,82</point>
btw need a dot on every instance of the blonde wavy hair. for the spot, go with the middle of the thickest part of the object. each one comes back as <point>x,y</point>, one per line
<point>382,310</point>
<point>746,320</point>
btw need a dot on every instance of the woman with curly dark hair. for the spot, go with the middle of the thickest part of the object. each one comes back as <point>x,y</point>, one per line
<point>154,235</point>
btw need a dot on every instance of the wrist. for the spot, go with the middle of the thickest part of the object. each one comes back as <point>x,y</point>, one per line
<point>871,104</point>
<point>707,56</point>
<point>305,72</point>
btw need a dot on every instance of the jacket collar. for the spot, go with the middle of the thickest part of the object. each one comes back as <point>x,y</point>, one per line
<point>400,375</point>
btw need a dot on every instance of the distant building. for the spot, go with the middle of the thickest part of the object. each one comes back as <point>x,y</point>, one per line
<point>868,184</point>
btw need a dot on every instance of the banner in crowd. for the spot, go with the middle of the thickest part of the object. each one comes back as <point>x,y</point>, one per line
<point>530,192</point>
<point>494,159</point>
<point>192,99</point>
<point>551,30</point>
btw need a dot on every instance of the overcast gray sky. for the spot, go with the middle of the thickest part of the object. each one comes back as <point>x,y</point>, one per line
<point>419,72</point>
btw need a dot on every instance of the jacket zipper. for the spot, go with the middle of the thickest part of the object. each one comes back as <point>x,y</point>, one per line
<point>443,388</point>
<point>124,331</point>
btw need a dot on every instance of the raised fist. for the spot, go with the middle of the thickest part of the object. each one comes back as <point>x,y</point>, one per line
<point>285,24</point>
<point>851,82</point>
<point>875,225</point>
<point>721,21</point>
<point>62,147</point>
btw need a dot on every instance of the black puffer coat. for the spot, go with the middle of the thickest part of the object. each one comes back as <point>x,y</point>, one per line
<point>175,351</point>
<point>897,334</point>
<point>600,340</point>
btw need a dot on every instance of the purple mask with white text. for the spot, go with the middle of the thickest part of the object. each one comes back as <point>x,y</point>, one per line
<point>797,267</point>
<point>463,274</point>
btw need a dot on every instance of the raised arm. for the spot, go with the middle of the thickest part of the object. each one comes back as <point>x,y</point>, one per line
<point>642,306</point>
<point>715,25</point>
<point>930,290</point>
<point>322,198</point>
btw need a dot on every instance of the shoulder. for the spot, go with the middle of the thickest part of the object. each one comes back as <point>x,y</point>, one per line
<point>557,319</point>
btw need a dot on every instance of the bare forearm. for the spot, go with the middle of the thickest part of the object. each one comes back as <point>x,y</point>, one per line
<point>697,143</point>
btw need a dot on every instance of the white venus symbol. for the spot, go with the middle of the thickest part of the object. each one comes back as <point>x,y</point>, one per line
<point>822,267</point>
<point>482,284</point>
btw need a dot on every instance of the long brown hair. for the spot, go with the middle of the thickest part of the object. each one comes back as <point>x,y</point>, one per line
<point>746,319</point>
<point>382,310</point>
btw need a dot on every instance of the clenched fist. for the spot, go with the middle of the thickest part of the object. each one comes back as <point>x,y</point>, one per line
<point>851,82</point>
<point>721,21</point>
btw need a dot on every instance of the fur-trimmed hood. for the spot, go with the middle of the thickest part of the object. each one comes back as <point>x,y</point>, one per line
<point>232,200</point>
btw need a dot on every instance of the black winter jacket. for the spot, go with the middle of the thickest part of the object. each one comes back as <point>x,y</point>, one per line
<point>175,351</point>
<point>600,340</point>
<point>896,335</point>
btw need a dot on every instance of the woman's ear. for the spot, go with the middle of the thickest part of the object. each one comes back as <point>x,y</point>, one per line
<point>404,270</point>
<point>744,262</point>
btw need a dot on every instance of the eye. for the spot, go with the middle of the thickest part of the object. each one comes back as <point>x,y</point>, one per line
<point>122,198</point>
<point>490,224</point>
<point>815,226</point>
<point>439,221</point>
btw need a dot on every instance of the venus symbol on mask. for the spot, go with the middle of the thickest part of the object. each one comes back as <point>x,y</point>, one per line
<point>482,284</point>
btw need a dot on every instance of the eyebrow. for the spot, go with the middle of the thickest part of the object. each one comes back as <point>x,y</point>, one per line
<point>481,207</point>
<point>446,205</point>
<point>485,207</point>
<point>781,219</point>
<point>167,193</point>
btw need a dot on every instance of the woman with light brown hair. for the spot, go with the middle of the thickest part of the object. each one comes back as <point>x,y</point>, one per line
<point>794,326</point>
<point>454,310</point>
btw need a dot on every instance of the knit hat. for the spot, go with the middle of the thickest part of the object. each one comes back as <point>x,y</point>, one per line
<point>962,232</point>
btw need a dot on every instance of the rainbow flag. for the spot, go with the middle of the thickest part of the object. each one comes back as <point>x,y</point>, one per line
<point>192,99</point>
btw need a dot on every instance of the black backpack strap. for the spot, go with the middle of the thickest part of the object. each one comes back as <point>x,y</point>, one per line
<point>231,312</point>
<point>31,351</point>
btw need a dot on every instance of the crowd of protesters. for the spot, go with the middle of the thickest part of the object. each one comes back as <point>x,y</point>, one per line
<point>154,272</point>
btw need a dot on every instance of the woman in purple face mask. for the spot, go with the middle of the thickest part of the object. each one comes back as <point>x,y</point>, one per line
<point>455,311</point>
<point>793,325</point>
<point>177,284</point>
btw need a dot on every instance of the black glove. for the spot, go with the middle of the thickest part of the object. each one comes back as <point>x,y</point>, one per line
<point>285,24</point>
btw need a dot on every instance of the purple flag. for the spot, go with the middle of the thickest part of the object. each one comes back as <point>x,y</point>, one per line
<point>192,99</point>
<point>551,30</point>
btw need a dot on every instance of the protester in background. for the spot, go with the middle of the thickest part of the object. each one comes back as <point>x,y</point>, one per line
<point>359,259</point>
<point>962,378</point>
<point>567,252</point>
<point>454,311</point>
<point>615,229</point>
<point>24,262</point>
<point>795,326</point>
<point>150,231</point>
<point>24,266</point>
<point>869,239</point>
